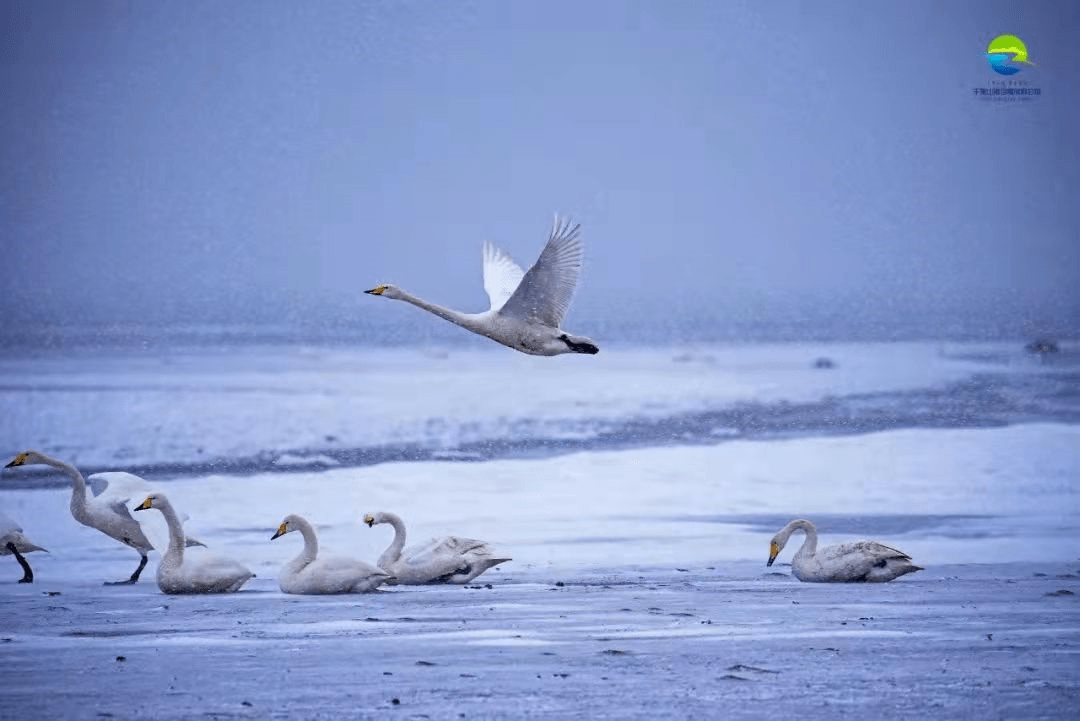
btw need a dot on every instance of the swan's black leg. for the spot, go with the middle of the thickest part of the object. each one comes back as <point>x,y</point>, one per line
<point>134,577</point>
<point>28,575</point>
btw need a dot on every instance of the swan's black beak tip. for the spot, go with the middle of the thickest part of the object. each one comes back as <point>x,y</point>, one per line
<point>370,292</point>
<point>770,561</point>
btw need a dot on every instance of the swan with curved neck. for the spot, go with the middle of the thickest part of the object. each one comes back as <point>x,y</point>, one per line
<point>106,512</point>
<point>527,309</point>
<point>309,573</point>
<point>14,543</point>
<point>206,573</point>
<point>860,561</point>
<point>443,560</point>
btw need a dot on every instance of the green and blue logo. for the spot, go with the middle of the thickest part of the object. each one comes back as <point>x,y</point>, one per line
<point>1003,51</point>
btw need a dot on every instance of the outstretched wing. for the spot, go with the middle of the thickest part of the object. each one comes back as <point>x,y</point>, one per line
<point>502,275</point>
<point>544,294</point>
<point>118,485</point>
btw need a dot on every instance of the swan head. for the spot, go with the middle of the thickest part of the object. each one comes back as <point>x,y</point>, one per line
<point>386,290</point>
<point>29,458</point>
<point>287,526</point>
<point>372,518</point>
<point>154,500</point>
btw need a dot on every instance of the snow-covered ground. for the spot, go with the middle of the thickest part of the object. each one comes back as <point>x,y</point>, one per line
<point>103,409</point>
<point>638,587</point>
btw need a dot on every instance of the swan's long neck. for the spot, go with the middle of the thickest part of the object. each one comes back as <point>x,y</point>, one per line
<point>311,543</point>
<point>174,556</point>
<point>393,552</point>
<point>809,546</point>
<point>78,484</point>
<point>465,320</point>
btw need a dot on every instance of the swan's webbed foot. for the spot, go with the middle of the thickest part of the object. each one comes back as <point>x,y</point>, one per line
<point>579,345</point>
<point>28,575</point>
<point>134,577</point>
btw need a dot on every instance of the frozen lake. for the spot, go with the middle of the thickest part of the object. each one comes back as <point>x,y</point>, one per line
<point>637,502</point>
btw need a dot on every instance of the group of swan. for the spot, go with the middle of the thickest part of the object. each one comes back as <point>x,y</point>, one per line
<point>106,510</point>
<point>526,312</point>
<point>447,560</point>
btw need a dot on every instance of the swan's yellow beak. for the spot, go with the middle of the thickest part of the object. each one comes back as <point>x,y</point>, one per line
<point>370,520</point>
<point>774,551</point>
<point>281,531</point>
<point>377,290</point>
<point>144,505</point>
<point>19,460</point>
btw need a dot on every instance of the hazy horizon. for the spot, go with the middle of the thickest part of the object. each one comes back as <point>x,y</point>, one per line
<point>740,171</point>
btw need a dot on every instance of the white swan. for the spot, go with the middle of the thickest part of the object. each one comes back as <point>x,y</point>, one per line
<point>526,308</point>
<point>206,573</point>
<point>440,560</point>
<point>310,574</point>
<point>107,510</point>
<point>14,543</point>
<point>867,561</point>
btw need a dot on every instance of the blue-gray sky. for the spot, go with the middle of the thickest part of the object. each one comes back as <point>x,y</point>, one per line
<point>265,161</point>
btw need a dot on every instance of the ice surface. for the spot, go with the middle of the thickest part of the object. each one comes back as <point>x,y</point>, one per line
<point>117,410</point>
<point>638,587</point>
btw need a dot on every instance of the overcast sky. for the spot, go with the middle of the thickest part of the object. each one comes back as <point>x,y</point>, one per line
<point>256,161</point>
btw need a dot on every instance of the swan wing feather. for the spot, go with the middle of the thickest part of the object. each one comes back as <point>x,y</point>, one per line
<point>502,275</point>
<point>118,484</point>
<point>545,292</point>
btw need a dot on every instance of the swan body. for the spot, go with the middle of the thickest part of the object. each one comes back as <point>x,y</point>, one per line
<point>14,543</point>
<point>106,508</point>
<point>441,560</point>
<point>309,573</point>
<point>860,561</point>
<point>526,308</point>
<point>203,573</point>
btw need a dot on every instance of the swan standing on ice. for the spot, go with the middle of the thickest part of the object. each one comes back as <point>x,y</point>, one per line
<point>441,560</point>
<point>204,573</point>
<point>105,511</point>
<point>867,561</point>
<point>526,308</point>
<point>14,543</point>
<point>309,574</point>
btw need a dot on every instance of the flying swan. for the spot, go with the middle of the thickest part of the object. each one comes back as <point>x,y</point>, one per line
<point>309,574</point>
<point>860,561</point>
<point>526,308</point>
<point>205,573</point>
<point>106,510</point>
<point>441,560</point>
<point>14,543</point>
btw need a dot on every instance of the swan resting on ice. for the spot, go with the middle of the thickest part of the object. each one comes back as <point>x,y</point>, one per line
<point>310,574</point>
<point>205,573</point>
<point>14,543</point>
<point>106,510</point>
<point>526,308</point>
<point>441,560</point>
<point>860,561</point>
